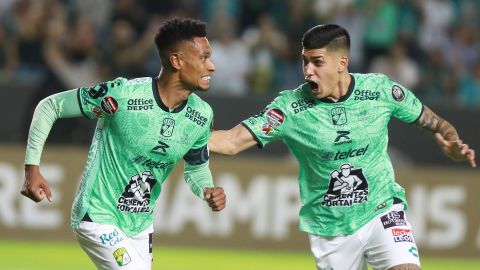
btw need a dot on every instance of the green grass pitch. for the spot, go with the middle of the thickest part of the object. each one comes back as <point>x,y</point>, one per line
<point>18,255</point>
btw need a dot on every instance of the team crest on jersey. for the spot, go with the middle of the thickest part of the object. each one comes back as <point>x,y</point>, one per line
<point>168,125</point>
<point>121,256</point>
<point>339,116</point>
<point>348,186</point>
<point>274,117</point>
<point>397,93</point>
<point>136,195</point>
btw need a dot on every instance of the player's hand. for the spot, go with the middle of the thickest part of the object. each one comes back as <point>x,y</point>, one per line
<point>456,150</point>
<point>35,186</point>
<point>215,198</point>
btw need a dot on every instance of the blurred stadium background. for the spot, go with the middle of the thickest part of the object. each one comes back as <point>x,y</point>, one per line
<point>430,46</point>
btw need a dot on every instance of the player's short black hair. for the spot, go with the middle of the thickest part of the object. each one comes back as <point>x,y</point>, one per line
<point>330,36</point>
<point>175,30</point>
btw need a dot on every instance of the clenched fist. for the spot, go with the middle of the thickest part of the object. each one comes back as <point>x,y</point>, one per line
<point>215,198</point>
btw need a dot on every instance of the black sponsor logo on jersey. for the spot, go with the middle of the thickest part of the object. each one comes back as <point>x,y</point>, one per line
<point>351,153</point>
<point>348,186</point>
<point>301,105</point>
<point>402,235</point>
<point>393,219</point>
<point>136,195</point>
<point>139,104</point>
<point>274,117</point>
<point>160,148</point>
<point>150,163</point>
<point>99,90</point>
<point>366,95</point>
<point>195,116</point>
<point>339,116</point>
<point>168,125</point>
<point>109,105</point>
<point>342,137</point>
<point>397,93</point>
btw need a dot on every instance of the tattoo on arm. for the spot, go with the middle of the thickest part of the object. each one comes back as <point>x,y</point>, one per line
<point>433,123</point>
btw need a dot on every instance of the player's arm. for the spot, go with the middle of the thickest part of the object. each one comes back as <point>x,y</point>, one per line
<point>61,105</point>
<point>232,141</point>
<point>199,177</point>
<point>446,136</point>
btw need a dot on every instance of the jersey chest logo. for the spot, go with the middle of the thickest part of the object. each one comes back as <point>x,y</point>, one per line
<point>339,116</point>
<point>348,186</point>
<point>168,125</point>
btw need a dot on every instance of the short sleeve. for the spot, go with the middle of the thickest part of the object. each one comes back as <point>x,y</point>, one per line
<point>199,153</point>
<point>405,105</point>
<point>100,100</point>
<point>268,125</point>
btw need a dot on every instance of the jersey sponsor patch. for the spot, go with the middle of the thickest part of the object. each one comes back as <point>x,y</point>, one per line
<point>97,111</point>
<point>99,90</point>
<point>122,257</point>
<point>397,93</point>
<point>109,105</point>
<point>393,219</point>
<point>347,187</point>
<point>136,195</point>
<point>267,129</point>
<point>402,235</point>
<point>275,117</point>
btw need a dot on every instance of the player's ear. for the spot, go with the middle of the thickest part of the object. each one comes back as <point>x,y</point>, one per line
<point>342,64</point>
<point>175,60</point>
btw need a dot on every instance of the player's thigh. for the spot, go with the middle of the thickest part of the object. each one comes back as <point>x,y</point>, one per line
<point>340,252</point>
<point>110,249</point>
<point>391,243</point>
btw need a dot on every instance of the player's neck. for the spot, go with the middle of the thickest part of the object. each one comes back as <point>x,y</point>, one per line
<point>171,91</point>
<point>341,88</point>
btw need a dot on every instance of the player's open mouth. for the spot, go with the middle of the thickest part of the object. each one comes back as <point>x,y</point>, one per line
<point>206,78</point>
<point>313,86</point>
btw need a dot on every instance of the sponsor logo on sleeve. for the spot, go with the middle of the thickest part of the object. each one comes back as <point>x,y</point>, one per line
<point>347,187</point>
<point>109,105</point>
<point>393,219</point>
<point>402,235</point>
<point>397,93</point>
<point>121,256</point>
<point>98,91</point>
<point>274,117</point>
<point>97,111</point>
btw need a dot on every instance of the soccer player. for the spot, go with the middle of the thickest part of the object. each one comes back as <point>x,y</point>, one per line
<point>144,127</point>
<point>335,125</point>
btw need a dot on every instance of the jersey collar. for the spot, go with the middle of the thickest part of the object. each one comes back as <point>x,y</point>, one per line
<point>160,103</point>
<point>351,86</point>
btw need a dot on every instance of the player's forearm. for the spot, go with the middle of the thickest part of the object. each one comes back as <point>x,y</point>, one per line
<point>61,105</point>
<point>435,124</point>
<point>221,142</point>
<point>198,177</point>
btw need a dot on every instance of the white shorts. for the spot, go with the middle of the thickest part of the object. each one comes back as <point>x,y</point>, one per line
<point>110,249</point>
<point>383,242</point>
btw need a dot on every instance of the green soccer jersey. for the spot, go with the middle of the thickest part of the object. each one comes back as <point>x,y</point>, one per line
<point>137,143</point>
<point>345,174</point>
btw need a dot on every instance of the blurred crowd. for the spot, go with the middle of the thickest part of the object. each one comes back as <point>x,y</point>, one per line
<point>429,46</point>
